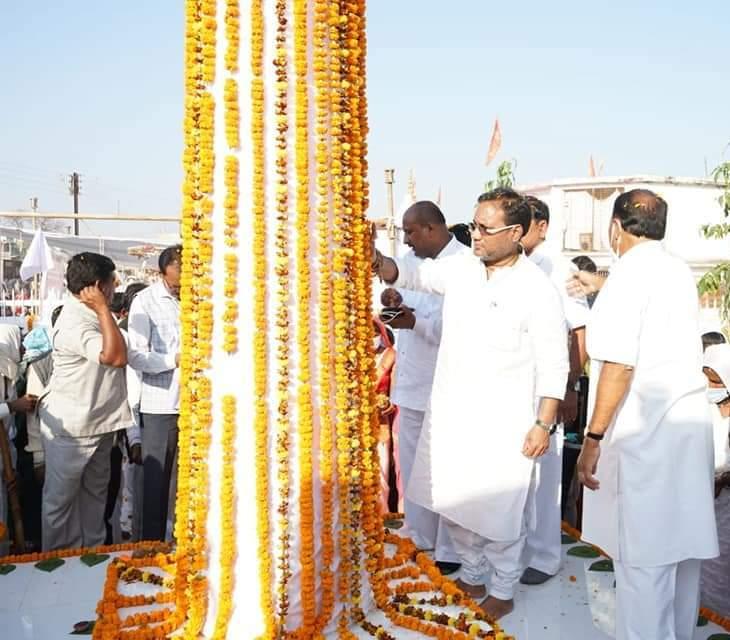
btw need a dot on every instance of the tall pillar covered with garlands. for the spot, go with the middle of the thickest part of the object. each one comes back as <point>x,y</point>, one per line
<point>277,522</point>
<point>278,531</point>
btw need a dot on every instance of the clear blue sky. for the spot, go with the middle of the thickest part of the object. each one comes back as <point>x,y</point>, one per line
<point>97,87</point>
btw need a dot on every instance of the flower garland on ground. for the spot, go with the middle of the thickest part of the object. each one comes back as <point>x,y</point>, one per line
<point>110,625</point>
<point>82,551</point>
<point>281,269</point>
<point>260,338</point>
<point>709,614</point>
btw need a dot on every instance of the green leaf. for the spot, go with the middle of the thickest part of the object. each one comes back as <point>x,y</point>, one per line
<point>49,565</point>
<point>393,524</point>
<point>83,628</point>
<point>566,539</point>
<point>702,621</point>
<point>719,636</point>
<point>5,569</point>
<point>92,559</point>
<point>583,552</point>
<point>601,565</point>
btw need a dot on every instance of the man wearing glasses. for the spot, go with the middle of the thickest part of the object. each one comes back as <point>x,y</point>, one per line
<point>503,343</point>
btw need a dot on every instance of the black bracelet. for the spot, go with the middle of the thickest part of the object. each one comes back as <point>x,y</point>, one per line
<point>594,436</point>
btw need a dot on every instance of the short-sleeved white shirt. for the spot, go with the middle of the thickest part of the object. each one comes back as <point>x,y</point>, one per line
<point>84,398</point>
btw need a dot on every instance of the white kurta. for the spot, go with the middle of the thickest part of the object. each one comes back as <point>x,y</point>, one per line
<point>655,503</point>
<point>503,343</point>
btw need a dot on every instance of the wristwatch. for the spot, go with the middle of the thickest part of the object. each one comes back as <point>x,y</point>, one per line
<point>594,436</point>
<point>550,428</point>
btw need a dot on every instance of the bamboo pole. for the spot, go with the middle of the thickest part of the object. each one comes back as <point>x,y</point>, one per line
<point>88,216</point>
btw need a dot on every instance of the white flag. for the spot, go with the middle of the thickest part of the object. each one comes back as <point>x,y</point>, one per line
<point>38,258</point>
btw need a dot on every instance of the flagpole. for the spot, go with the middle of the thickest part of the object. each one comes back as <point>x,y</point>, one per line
<point>389,180</point>
<point>34,287</point>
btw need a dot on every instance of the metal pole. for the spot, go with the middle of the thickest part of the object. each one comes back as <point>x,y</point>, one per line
<point>75,190</point>
<point>35,291</point>
<point>389,180</point>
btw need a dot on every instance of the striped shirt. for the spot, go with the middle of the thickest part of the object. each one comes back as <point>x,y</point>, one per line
<point>154,334</point>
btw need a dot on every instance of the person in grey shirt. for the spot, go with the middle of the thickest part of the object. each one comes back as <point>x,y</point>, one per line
<point>86,402</point>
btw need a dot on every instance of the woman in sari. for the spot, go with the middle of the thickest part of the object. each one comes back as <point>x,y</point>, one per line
<point>384,362</point>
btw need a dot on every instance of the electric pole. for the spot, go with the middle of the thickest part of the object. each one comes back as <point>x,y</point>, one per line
<point>74,191</point>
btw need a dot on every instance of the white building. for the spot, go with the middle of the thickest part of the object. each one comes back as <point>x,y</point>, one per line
<point>580,212</point>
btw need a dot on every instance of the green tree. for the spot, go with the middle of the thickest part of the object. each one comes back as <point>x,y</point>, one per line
<point>505,176</point>
<point>717,280</point>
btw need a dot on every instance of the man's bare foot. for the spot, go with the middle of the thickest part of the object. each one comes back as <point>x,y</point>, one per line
<point>496,608</point>
<point>474,591</point>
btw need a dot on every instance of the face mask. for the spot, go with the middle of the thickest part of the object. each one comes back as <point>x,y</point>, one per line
<point>715,395</point>
<point>376,343</point>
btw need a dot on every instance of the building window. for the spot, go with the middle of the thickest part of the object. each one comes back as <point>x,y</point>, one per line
<point>587,212</point>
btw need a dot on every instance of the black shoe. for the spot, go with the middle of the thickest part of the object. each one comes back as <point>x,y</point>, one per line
<point>533,576</point>
<point>447,568</point>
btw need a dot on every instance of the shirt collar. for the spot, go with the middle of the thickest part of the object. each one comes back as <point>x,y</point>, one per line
<point>451,247</point>
<point>637,251</point>
<point>80,306</point>
<point>161,290</point>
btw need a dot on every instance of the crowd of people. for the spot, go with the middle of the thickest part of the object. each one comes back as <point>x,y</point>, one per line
<point>493,350</point>
<point>482,354</point>
<point>90,414</point>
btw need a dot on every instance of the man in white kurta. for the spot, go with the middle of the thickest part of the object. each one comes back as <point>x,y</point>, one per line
<point>651,478</point>
<point>543,547</point>
<point>503,343</point>
<point>419,335</point>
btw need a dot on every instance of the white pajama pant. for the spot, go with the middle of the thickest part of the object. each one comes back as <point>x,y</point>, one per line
<point>423,526</point>
<point>480,556</point>
<point>5,512</point>
<point>657,603</point>
<point>74,490</point>
<point>543,547</point>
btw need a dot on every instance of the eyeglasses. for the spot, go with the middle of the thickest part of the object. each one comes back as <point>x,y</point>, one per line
<point>489,231</point>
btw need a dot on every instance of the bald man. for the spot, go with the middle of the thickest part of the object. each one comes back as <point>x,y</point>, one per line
<point>428,237</point>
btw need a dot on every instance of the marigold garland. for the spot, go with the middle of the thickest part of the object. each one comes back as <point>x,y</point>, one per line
<point>281,269</point>
<point>260,338</point>
<point>321,73</point>
<point>341,305</point>
<point>305,414</point>
<point>228,519</point>
<point>196,314</point>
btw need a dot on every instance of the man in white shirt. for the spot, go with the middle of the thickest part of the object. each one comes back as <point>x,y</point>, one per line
<point>543,547</point>
<point>154,333</point>
<point>481,432</point>
<point>426,233</point>
<point>647,457</point>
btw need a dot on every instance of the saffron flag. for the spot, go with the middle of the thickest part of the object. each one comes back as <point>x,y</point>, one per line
<point>495,143</point>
